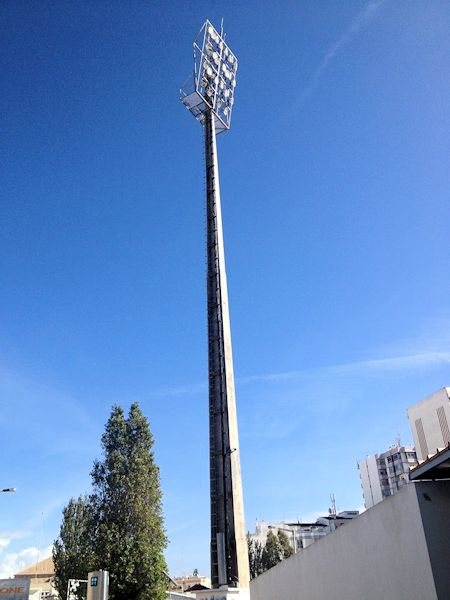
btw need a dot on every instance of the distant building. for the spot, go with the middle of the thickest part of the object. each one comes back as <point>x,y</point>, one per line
<point>384,474</point>
<point>429,420</point>
<point>184,583</point>
<point>41,577</point>
<point>301,535</point>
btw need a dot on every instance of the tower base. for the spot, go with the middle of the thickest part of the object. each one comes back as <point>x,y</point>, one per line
<point>223,593</point>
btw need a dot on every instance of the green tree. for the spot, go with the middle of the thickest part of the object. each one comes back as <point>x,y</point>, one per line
<point>272,552</point>
<point>119,527</point>
<point>255,557</point>
<point>286,547</point>
<point>72,551</point>
<point>130,536</point>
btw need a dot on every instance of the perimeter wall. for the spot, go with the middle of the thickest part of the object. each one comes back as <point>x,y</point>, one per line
<point>397,550</point>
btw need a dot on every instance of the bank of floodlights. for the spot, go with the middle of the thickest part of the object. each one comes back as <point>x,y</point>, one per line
<point>214,79</point>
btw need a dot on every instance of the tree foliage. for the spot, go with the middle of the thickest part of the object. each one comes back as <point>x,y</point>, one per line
<point>264,557</point>
<point>286,548</point>
<point>124,517</point>
<point>72,551</point>
<point>255,552</point>
<point>272,552</point>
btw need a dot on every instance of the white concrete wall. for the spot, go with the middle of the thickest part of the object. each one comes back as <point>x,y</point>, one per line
<point>426,410</point>
<point>382,554</point>
<point>223,594</point>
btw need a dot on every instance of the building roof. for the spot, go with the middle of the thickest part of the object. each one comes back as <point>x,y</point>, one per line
<point>197,587</point>
<point>40,569</point>
<point>429,397</point>
<point>436,466</point>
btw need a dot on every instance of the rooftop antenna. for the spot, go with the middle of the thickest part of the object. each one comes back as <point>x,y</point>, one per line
<point>332,509</point>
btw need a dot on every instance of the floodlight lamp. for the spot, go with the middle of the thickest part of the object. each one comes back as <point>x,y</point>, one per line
<point>214,72</point>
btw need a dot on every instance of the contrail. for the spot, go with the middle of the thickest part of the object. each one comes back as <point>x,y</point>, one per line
<point>360,21</point>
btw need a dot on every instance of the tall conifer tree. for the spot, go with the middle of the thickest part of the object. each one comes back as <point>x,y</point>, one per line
<point>123,522</point>
<point>127,504</point>
<point>273,552</point>
<point>73,550</point>
<point>286,547</point>
<point>255,557</point>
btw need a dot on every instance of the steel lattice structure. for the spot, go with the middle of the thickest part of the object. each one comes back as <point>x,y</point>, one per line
<point>214,79</point>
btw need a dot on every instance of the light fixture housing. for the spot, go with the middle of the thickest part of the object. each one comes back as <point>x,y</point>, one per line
<point>213,79</point>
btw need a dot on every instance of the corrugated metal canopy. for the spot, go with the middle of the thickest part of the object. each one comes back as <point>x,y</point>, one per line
<point>436,466</point>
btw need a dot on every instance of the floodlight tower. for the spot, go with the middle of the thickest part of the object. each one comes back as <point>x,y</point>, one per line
<point>209,96</point>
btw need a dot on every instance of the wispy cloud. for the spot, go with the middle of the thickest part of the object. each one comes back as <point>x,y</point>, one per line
<point>13,562</point>
<point>326,391</point>
<point>360,22</point>
<point>373,367</point>
<point>13,535</point>
<point>272,399</point>
<point>180,390</point>
<point>23,395</point>
<point>407,362</point>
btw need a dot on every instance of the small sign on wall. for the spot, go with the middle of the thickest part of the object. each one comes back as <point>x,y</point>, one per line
<point>98,585</point>
<point>15,589</point>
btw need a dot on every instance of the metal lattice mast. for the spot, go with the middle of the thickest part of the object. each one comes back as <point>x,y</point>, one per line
<point>211,104</point>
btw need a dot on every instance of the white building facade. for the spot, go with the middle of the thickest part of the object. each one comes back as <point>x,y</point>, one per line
<point>429,420</point>
<point>302,535</point>
<point>384,474</point>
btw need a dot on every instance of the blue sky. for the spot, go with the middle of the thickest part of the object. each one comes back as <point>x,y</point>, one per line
<point>335,184</point>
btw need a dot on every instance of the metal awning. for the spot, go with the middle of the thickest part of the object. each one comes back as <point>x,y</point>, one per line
<point>436,466</point>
